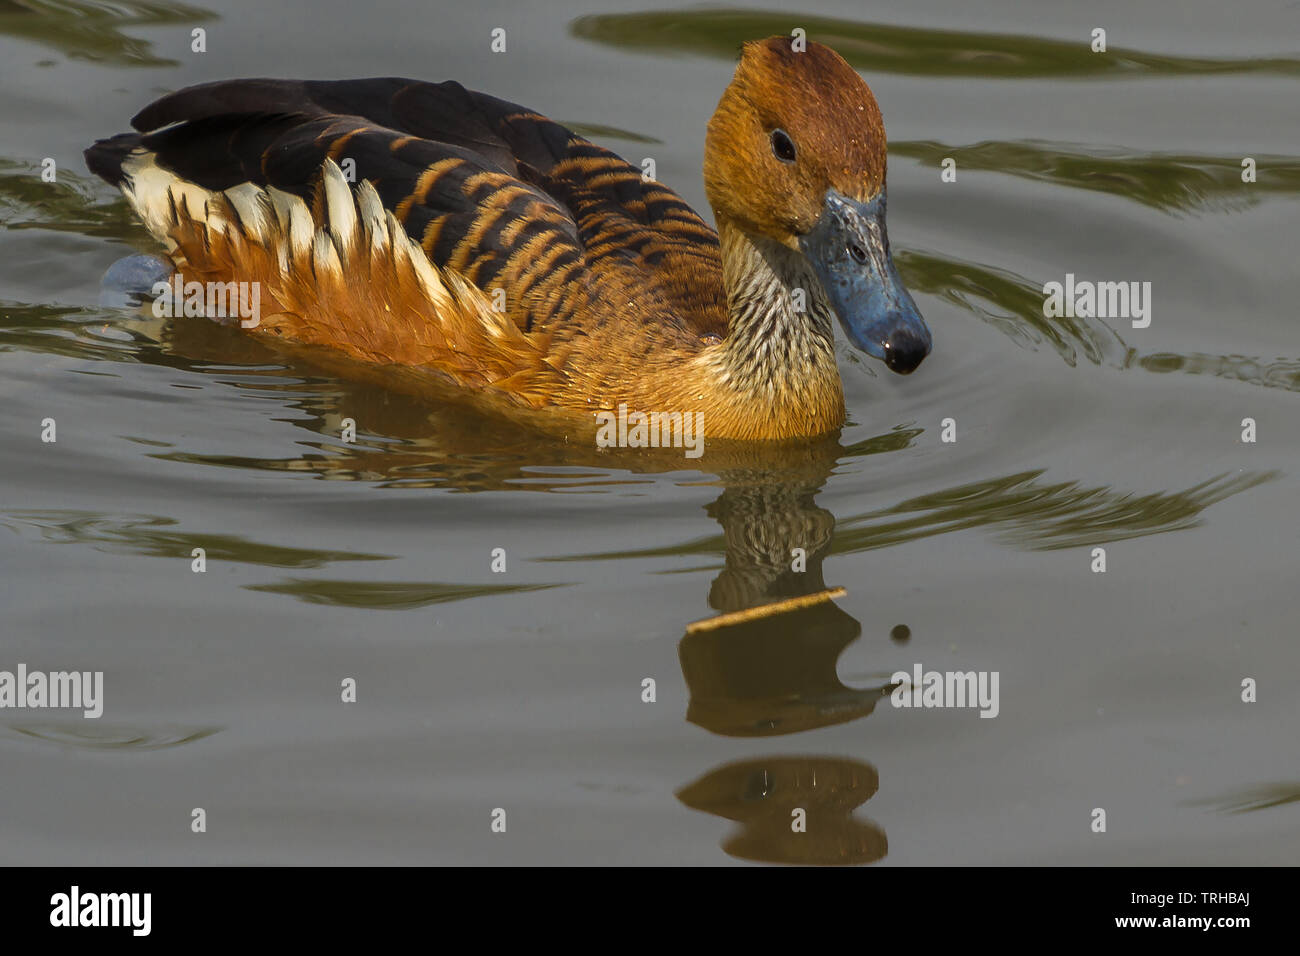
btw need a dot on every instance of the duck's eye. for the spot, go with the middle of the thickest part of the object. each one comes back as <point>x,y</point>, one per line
<point>857,252</point>
<point>782,146</point>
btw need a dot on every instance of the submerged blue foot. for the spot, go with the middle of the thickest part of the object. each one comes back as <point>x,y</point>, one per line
<point>130,281</point>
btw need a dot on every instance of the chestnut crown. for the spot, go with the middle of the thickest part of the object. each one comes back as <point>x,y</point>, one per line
<point>790,126</point>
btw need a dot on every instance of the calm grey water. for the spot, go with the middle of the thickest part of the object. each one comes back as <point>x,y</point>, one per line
<point>522,690</point>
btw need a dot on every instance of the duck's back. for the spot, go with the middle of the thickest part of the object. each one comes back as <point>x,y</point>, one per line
<point>567,246</point>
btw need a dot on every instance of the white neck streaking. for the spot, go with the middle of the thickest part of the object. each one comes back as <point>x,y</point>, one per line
<point>780,341</point>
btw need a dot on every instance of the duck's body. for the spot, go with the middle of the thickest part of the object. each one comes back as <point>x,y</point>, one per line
<point>483,244</point>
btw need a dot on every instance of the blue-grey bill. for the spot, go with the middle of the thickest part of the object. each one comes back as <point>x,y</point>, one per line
<point>848,249</point>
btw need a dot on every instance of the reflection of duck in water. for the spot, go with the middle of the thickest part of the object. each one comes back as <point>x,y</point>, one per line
<point>766,797</point>
<point>491,250</point>
<point>775,674</point>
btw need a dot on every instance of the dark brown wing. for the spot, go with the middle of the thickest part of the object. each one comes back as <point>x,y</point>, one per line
<point>507,198</point>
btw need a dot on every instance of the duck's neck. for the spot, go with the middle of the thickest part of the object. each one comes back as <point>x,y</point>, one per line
<point>780,345</point>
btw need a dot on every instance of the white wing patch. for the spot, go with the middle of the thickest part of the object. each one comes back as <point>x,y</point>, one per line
<point>355,223</point>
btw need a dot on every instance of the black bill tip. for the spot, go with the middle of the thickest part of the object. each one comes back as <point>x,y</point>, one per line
<point>904,350</point>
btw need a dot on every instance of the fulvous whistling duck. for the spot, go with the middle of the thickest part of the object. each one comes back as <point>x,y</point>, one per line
<point>493,250</point>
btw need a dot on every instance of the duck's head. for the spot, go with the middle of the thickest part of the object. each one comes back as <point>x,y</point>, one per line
<point>796,153</point>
